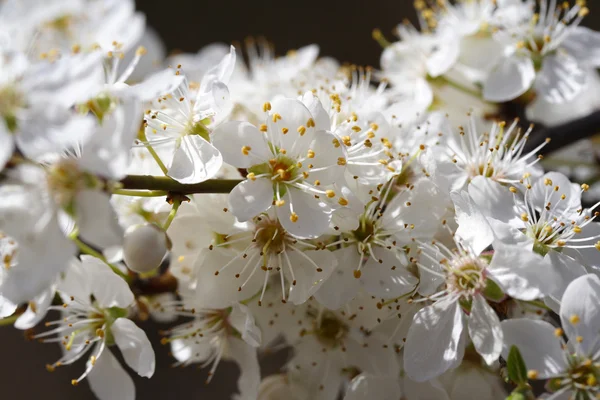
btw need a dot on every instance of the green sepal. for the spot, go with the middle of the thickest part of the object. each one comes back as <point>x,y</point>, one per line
<point>493,292</point>
<point>517,371</point>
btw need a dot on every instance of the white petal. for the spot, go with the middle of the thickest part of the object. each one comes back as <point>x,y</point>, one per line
<point>107,152</point>
<point>563,270</point>
<point>472,225</point>
<point>537,343</point>
<point>246,358</point>
<point>109,381</point>
<point>561,79</point>
<point>156,85</point>
<point>521,273</point>
<point>341,286</point>
<point>293,114</point>
<point>582,298</point>
<point>485,330</point>
<point>308,278</point>
<point>8,146</point>
<point>319,114</point>
<point>243,321</point>
<point>388,279</point>
<point>7,308</point>
<point>251,197</point>
<point>584,44</point>
<point>435,342</point>
<point>424,390</point>
<point>313,215</point>
<point>367,387</point>
<point>109,289</point>
<point>493,199</point>
<point>443,57</point>
<point>511,77</point>
<point>231,137</point>
<point>135,346</point>
<point>572,201</point>
<point>326,156</point>
<point>33,315</point>
<point>195,160</point>
<point>96,220</point>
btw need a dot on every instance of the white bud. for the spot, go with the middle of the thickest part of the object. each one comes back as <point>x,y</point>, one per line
<point>144,247</point>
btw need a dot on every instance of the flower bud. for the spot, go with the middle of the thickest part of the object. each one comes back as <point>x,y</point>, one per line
<point>144,247</point>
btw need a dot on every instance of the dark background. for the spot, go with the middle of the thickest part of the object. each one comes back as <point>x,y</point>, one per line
<point>342,28</point>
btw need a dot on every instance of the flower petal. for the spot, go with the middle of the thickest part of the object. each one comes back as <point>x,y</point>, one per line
<point>537,343</point>
<point>158,84</point>
<point>7,308</point>
<point>232,136</point>
<point>341,286</point>
<point>246,358</point>
<point>485,330</point>
<point>96,219</point>
<point>313,216</point>
<point>327,156</point>
<point>135,346</point>
<point>473,227</point>
<point>366,387</point>
<point>293,115</point>
<point>8,145</point>
<point>243,321</point>
<point>561,79</point>
<point>387,278</point>
<point>581,299</point>
<point>308,278</point>
<point>584,44</point>
<point>511,78</point>
<point>109,380</point>
<point>195,160</point>
<point>435,341</point>
<point>109,289</point>
<point>36,310</point>
<point>251,197</point>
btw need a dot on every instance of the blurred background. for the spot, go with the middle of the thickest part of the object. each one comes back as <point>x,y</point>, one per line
<point>342,28</point>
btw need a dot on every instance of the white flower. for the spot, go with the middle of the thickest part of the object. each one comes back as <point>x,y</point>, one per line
<point>571,368</point>
<point>231,268</point>
<point>290,159</point>
<point>214,334</point>
<point>413,62</point>
<point>331,346</point>
<point>41,26</point>
<point>497,155</point>
<point>93,318</point>
<point>551,52</point>
<point>181,124</point>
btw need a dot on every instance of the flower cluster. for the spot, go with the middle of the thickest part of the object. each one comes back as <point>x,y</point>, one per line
<point>395,227</point>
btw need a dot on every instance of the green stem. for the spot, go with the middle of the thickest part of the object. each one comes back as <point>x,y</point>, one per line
<point>172,214</point>
<point>84,248</point>
<point>444,80</point>
<point>140,193</point>
<point>149,182</point>
<point>538,303</point>
<point>142,136</point>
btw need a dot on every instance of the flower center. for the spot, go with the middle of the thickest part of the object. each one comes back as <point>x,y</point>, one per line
<point>270,236</point>
<point>466,275</point>
<point>331,331</point>
<point>65,179</point>
<point>10,101</point>
<point>583,376</point>
<point>61,24</point>
<point>199,128</point>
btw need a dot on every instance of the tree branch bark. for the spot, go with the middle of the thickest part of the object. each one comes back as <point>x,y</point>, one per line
<point>149,182</point>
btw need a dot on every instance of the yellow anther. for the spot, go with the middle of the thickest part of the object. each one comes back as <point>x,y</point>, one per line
<point>561,243</point>
<point>532,374</point>
<point>342,201</point>
<point>330,193</point>
<point>374,126</point>
<point>558,332</point>
<point>317,182</point>
<point>141,51</point>
<point>577,229</point>
<point>513,189</point>
<point>75,49</point>
<point>341,161</point>
<point>251,176</point>
<point>585,187</point>
<point>547,181</point>
<point>276,117</point>
<point>301,130</point>
<point>280,203</point>
<point>336,143</point>
<point>356,128</point>
<point>263,127</point>
<point>310,154</point>
<point>574,319</point>
<point>294,217</point>
<point>74,382</point>
<point>384,162</point>
<point>346,140</point>
<point>357,273</point>
<point>246,150</point>
<point>310,123</point>
<point>284,130</point>
<point>579,339</point>
<point>266,106</point>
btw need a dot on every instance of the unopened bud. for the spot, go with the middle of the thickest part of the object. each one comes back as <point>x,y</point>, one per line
<point>144,247</point>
